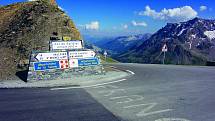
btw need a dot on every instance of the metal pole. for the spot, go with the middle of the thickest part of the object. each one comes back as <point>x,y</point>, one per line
<point>164,56</point>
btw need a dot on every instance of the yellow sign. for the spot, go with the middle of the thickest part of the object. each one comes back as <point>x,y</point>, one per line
<point>66,38</point>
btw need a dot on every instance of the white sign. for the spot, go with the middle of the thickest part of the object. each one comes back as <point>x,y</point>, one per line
<point>164,48</point>
<point>66,45</point>
<point>82,54</point>
<point>51,56</point>
<point>105,53</point>
<point>73,63</point>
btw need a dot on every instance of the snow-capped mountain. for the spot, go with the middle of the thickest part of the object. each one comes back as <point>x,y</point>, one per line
<point>191,42</point>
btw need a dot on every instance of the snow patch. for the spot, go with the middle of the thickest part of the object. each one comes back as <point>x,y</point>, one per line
<point>181,32</point>
<point>193,35</point>
<point>210,34</point>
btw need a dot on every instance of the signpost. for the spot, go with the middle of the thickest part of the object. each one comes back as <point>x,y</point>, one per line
<point>164,50</point>
<point>66,45</point>
<point>67,54</point>
<point>51,56</point>
<point>82,54</point>
<point>105,54</point>
<point>42,66</point>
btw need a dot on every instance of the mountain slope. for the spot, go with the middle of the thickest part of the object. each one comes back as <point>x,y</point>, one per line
<point>190,42</point>
<point>28,26</point>
<point>118,45</point>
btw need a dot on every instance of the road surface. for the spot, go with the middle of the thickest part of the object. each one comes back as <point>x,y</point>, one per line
<point>161,93</point>
<point>150,93</point>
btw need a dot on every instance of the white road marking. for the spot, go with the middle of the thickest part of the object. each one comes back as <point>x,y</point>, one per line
<point>65,88</point>
<point>111,92</point>
<point>113,66</point>
<point>145,111</point>
<point>128,99</point>
<point>106,86</point>
<point>172,119</point>
<point>134,106</point>
<point>130,72</point>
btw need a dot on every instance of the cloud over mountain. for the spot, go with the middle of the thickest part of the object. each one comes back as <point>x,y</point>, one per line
<point>94,25</point>
<point>134,23</point>
<point>170,15</point>
<point>203,8</point>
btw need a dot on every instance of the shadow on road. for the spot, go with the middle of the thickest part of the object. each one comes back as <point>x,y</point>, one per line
<point>23,75</point>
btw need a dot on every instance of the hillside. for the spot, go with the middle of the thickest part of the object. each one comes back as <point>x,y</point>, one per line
<point>117,45</point>
<point>28,26</point>
<point>191,42</point>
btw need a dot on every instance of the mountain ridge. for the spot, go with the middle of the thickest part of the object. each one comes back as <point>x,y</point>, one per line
<point>178,37</point>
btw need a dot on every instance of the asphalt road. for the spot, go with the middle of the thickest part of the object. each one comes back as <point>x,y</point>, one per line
<point>161,93</point>
<point>150,93</point>
<point>42,104</point>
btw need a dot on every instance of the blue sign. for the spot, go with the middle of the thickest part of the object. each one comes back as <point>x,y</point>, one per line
<point>41,66</point>
<point>88,62</point>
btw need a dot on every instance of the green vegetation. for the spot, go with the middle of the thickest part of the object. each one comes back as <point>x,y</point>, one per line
<point>108,60</point>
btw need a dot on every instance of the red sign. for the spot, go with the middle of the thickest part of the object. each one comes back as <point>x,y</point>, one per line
<point>64,64</point>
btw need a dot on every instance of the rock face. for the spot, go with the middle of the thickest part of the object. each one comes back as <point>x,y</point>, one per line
<point>191,42</point>
<point>28,26</point>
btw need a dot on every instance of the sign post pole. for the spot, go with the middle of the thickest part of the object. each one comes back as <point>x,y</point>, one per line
<point>164,50</point>
<point>105,54</point>
<point>164,56</point>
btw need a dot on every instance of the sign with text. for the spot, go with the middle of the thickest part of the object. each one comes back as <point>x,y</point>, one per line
<point>88,62</point>
<point>42,66</point>
<point>66,45</point>
<point>82,54</point>
<point>51,56</point>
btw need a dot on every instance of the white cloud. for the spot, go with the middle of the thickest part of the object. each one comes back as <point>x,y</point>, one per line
<point>203,8</point>
<point>94,25</point>
<point>134,23</point>
<point>32,0</point>
<point>125,26</point>
<point>171,15</point>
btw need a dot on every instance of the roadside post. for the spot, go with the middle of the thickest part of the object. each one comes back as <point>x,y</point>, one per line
<point>164,50</point>
<point>105,54</point>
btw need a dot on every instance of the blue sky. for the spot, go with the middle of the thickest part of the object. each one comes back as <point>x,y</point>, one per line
<point>125,17</point>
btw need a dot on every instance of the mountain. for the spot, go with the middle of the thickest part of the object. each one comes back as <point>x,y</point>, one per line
<point>28,26</point>
<point>191,42</point>
<point>121,44</point>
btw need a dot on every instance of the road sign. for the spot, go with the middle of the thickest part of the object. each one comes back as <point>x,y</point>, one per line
<point>88,62</point>
<point>105,53</point>
<point>82,54</point>
<point>42,66</point>
<point>51,56</point>
<point>66,45</point>
<point>73,63</point>
<point>64,64</point>
<point>66,38</point>
<point>164,48</point>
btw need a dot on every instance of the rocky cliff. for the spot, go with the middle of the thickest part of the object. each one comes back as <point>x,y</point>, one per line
<point>28,26</point>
